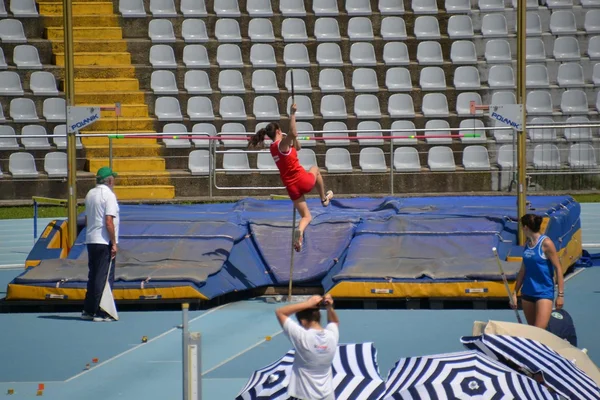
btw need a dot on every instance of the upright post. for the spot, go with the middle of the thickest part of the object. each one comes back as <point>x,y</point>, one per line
<point>210,168</point>
<point>71,137</point>
<point>185,336</point>
<point>292,255</point>
<point>35,215</point>
<point>521,99</point>
<point>391,167</point>
<point>110,152</point>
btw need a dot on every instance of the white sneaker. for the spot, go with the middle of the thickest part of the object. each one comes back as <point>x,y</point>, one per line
<point>86,317</point>
<point>328,197</point>
<point>103,319</point>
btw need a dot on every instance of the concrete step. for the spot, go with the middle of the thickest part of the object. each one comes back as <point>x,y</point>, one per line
<point>151,178</point>
<point>79,8</point>
<point>127,110</point>
<point>112,124</point>
<point>163,192</point>
<point>102,141</point>
<point>133,97</point>
<point>104,72</point>
<point>109,58</point>
<point>91,45</point>
<point>86,33</point>
<point>135,149</point>
<point>83,20</point>
<point>106,85</point>
<point>138,164</point>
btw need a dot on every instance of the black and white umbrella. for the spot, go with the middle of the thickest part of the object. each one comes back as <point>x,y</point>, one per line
<point>355,376</point>
<point>559,373</point>
<point>463,375</point>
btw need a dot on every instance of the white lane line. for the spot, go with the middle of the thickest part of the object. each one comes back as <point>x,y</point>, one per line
<point>577,272</point>
<point>164,362</point>
<point>240,353</point>
<point>147,343</point>
<point>13,266</point>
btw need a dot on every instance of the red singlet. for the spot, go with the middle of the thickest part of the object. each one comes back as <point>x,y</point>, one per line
<point>294,177</point>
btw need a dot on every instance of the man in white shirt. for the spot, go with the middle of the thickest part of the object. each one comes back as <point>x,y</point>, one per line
<point>101,238</point>
<point>311,377</point>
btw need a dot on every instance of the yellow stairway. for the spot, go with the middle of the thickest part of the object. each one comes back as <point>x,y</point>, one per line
<point>104,76</point>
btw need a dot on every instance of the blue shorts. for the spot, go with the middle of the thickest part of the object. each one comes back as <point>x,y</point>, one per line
<point>533,299</point>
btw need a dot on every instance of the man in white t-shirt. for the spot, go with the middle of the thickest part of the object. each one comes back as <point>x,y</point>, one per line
<point>101,238</point>
<point>311,377</point>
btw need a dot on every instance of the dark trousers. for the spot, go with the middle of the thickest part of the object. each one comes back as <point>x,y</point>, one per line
<point>99,262</point>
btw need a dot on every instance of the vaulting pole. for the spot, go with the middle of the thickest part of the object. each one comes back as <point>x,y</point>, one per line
<point>521,99</point>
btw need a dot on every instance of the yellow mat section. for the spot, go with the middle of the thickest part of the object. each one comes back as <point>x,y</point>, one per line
<point>26,292</point>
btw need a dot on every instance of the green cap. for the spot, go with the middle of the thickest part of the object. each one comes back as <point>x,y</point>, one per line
<point>105,172</point>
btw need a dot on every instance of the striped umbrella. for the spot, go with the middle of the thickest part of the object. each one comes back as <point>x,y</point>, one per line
<point>462,375</point>
<point>355,376</point>
<point>559,373</point>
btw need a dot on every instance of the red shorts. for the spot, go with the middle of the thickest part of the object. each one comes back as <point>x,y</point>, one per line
<point>303,185</point>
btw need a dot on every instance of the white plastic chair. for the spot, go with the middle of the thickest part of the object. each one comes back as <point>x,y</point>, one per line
<point>22,165</point>
<point>429,53</point>
<point>457,6</point>
<point>3,64</point>
<point>43,83</point>
<point>24,9</point>
<point>476,158</point>
<point>435,105</point>
<point>537,76</point>
<point>197,82</point>
<point>327,29</point>
<point>8,143</point>
<point>266,108</point>
<point>305,109</point>
<point>460,27</point>
<point>441,159</point>
<point>307,158</point>
<point>331,81</point>
<point>162,56</point>
<point>229,56</point>
<point>333,106</point>
<point>397,79</point>
<point>582,155</point>
<point>261,30</point>
<point>59,138</point>
<point>338,161</point>
<point>360,28</point>
<point>329,55</point>
<point>432,79</point>
<point>263,56</point>
<point>427,27</point>
<point>265,81</point>
<point>406,159</point>
<point>132,8</point>
<point>193,30</point>
<point>54,109</point>
<point>10,84</point>
<point>546,156</point>
<point>372,159</point>
<point>535,50</point>
<point>292,8</point>
<point>301,81</point>
<point>498,51</point>
<point>393,28</point>
<point>562,22</point>
<point>358,7</point>
<point>236,163</point>
<point>494,25</point>
<point>375,128</point>
<point>570,75</point>
<point>424,7</point>
<point>341,129</point>
<point>438,129</point>
<point>265,164</point>
<point>400,105</point>
<point>491,5</point>
<point>163,82</point>
<point>231,82</point>
<point>566,49</point>
<point>26,57</point>
<point>294,30</point>
<point>193,8</point>
<point>326,8</point>
<point>163,8</point>
<point>35,143</point>
<point>161,31</point>
<point>233,129</point>
<point>259,8</point>
<point>463,52</point>
<point>574,101</point>
<point>467,78</point>
<point>539,102</point>
<point>227,30</point>
<point>232,108</point>
<point>406,129</point>
<point>395,53</point>
<point>304,127</point>
<point>506,157</point>
<point>11,31</point>
<point>463,103</point>
<point>578,134</point>
<point>592,21</point>
<point>534,24</point>
<point>205,130</point>
<point>195,56</point>
<point>364,80</point>
<point>546,134</point>
<point>296,55</point>
<point>501,77</point>
<point>227,8</point>
<point>198,162</point>
<point>594,48</point>
<point>391,7</point>
<point>472,131</point>
<point>167,109</point>
<point>366,106</point>
<point>177,129</point>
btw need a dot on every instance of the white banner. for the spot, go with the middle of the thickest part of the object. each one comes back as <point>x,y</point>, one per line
<point>508,114</point>
<point>80,117</point>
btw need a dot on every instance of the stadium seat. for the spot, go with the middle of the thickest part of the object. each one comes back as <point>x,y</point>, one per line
<point>457,6</point>
<point>296,55</point>
<point>292,8</point>
<point>358,7</point>
<point>501,77</point>
<point>427,27</point>
<point>195,56</point>
<point>441,159</point>
<point>502,134</point>
<point>578,134</point>
<point>430,53</point>
<point>366,106</point>
<point>3,12</point>
<point>227,30</point>
<point>163,8</point>
<point>542,134</point>
<point>566,49</point>
<point>163,82</point>
<point>229,56</point>
<point>590,3</point>
<point>529,4</point>
<point>233,129</point>
<point>582,155</point>
<point>562,22</point>
<point>476,158</point>
<point>193,8</point>
<point>406,159</point>
<point>395,53</point>
<point>424,7</point>
<point>11,31</point>
<point>503,98</point>
<point>460,27</point>
<point>570,75</point>
<point>463,52</point>
<point>463,103</point>
<point>594,48</point>
<point>261,30</point>
<point>162,56</point>
<point>596,74</point>
<point>232,108</point>
<point>506,157</point>
<point>435,105</point>
<point>494,25</point>
<point>24,9</point>
<point>393,28</point>
<point>400,105</point>
<point>537,76</point>
<point>22,165</point>
<point>375,131</point>
<point>546,156</point>
<point>342,131</point>
<point>302,127</point>
<point>552,4</point>
<point>265,164</point>
<point>193,30</point>
<point>10,84</point>
<point>469,128</point>
<point>497,51</point>
<point>266,108</point>
<point>3,64</point>
<point>338,161</point>
<point>407,128</point>
<point>231,82</point>
<point>265,81</point>
<point>326,8</point>
<point>43,83</point>
<point>534,24</point>
<point>236,163</point>
<point>362,55</point>
<point>161,31</point>
<point>2,117</point>
<point>259,8</point>
<point>437,127</point>
<point>592,21</point>
<point>59,138</point>
<point>263,56</point>
<point>294,30</point>
<point>397,79</point>
<point>167,109</point>
<point>177,129</point>
<point>372,159</point>
<point>307,158</point>
<point>574,101</point>
<point>333,106</point>
<point>535,50</point>
<point>539,102</point>
<point>305,109</point>
<point>467,78</point>
<point>54,109</point>
<point>327,30</point>
<point>391,7</point>
<point>432,78</point>
<point>132,8</point>
<point>198,162</point>
<point>301,81</point>
<point>360,28</point>
<point>331,81</point>
<point>35,143</point>
<point>26,57</point>
<point>227,9</point>
<point>205,130</point>
<point>598,102</point>
<point>491,5</point>
<point>196,82</point>
<point>364,80</point>
<point>8,143</point>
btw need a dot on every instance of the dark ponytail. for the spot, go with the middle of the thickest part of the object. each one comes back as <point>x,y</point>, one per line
<point>532,221</point>
<point>257,140</point>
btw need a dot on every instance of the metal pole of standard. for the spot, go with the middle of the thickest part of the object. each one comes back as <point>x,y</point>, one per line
<point>210,168</point>
<point>71,137</point>
<point>391,167</point>
<point>521,99</point>
<point>185,336</point>
<point>293,214</point>
<point>110,152</point>
<point>35,215</point>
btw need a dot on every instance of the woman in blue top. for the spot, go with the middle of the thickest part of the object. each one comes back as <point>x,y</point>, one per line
<point>536,277</point>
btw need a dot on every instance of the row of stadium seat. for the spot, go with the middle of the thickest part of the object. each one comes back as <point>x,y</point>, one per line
<point>22,165</point>
<point>23,110</point>
<point>41,83</point>
<point>59,138</point>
